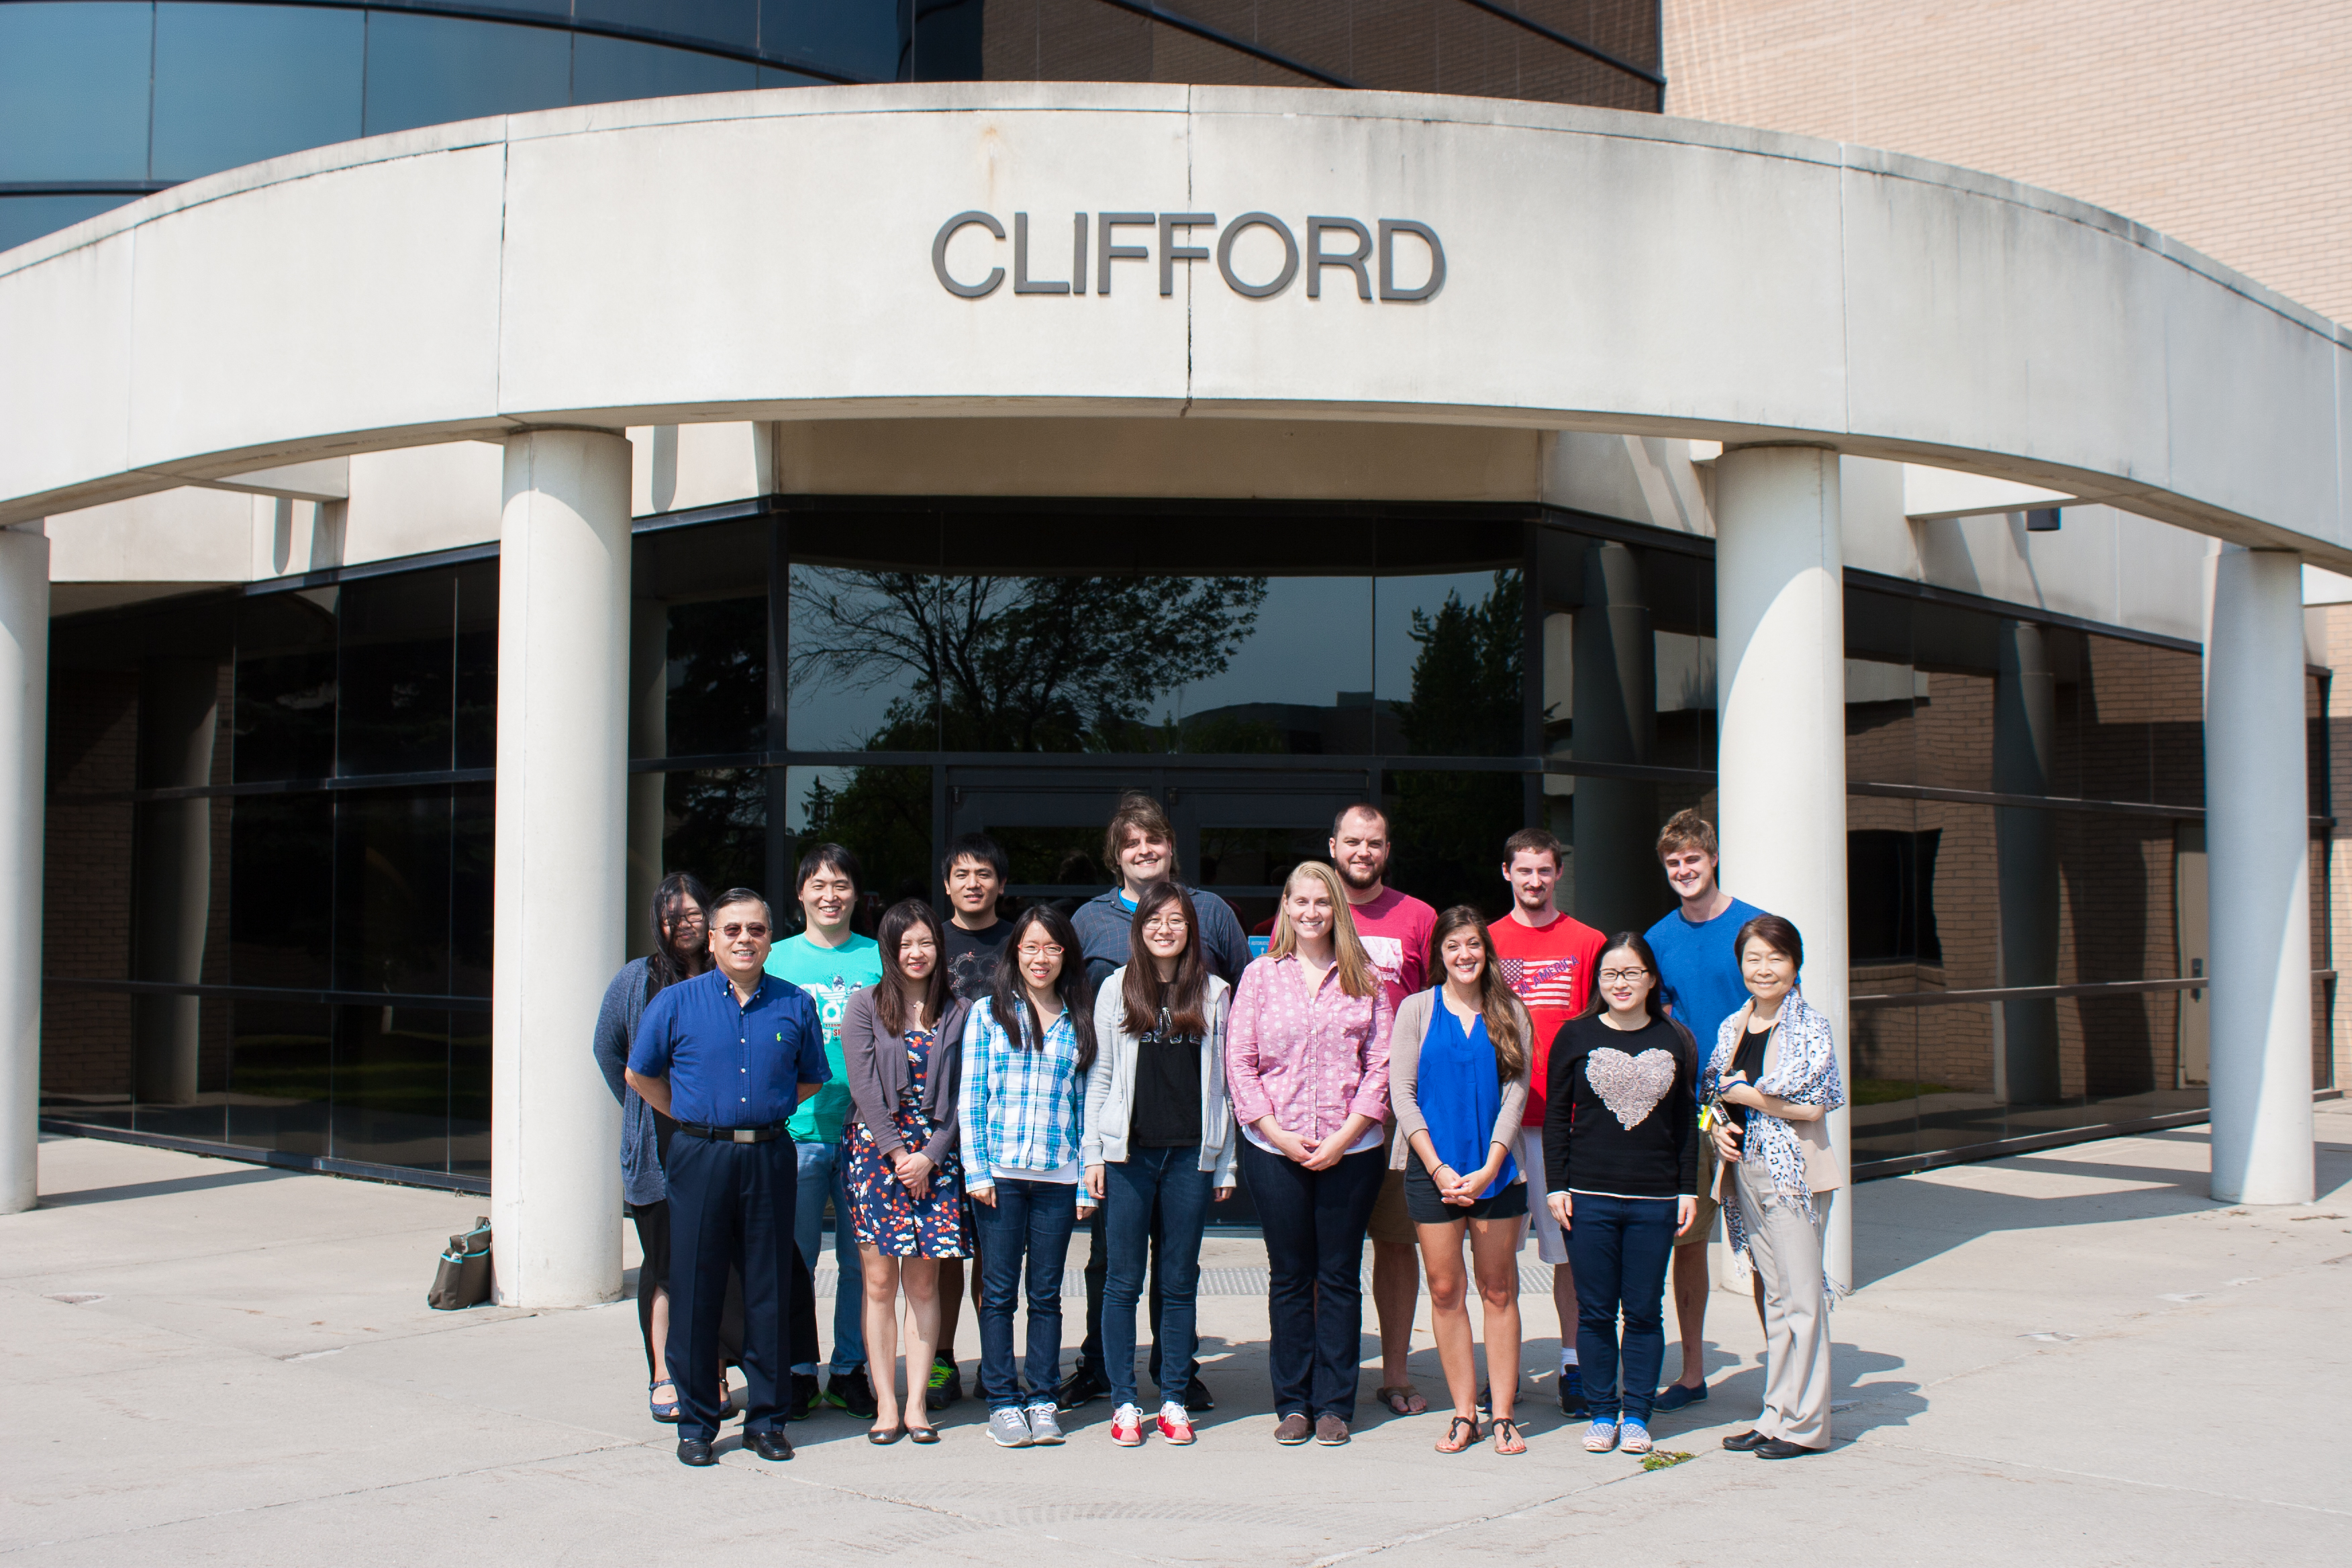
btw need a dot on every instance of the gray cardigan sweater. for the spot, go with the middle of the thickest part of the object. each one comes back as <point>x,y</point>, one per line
<point>616,1026</point>
<point>1413,1016</point>
<point>874,1060</point>
<point>1110,1083</point>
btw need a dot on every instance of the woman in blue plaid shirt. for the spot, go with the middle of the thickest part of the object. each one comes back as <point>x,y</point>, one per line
<point>1025,1057</point>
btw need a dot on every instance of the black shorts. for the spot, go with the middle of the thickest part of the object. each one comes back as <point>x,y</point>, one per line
<point>1425,1208</point>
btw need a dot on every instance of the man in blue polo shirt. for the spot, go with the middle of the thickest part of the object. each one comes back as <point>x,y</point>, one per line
<point>729,1055</point>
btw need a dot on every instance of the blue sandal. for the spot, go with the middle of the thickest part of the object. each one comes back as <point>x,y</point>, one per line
<point>666,1414</point>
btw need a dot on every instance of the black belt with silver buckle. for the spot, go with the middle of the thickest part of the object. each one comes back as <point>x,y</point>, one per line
<point>768,1134</point>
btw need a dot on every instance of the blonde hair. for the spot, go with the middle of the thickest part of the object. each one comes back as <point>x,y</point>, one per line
<point>1356,977</point>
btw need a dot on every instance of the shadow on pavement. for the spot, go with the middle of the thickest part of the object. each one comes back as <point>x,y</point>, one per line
<point>159,1189</point>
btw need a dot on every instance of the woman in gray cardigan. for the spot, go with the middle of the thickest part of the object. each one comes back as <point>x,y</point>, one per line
<point>681,951</point>
<point>1458,1086</point>
<point>902,1051</point>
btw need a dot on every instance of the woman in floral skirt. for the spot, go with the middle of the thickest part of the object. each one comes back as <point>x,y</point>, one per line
<point>901,1042</point>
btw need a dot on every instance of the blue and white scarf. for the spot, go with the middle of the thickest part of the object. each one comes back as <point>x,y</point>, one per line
<point>1807,1073</point>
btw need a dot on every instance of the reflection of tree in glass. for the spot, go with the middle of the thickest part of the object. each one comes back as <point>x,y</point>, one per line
<point>884,815</point>
<point>716,820</point>
<point>1465,702</point>
<point>1017,664</point>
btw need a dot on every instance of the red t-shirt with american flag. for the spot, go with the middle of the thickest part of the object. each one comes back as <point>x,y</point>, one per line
<point>1549,969</point>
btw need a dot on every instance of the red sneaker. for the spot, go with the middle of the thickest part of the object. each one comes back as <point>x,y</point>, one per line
<point>1127,1427</point>
<point>1175,1426</point>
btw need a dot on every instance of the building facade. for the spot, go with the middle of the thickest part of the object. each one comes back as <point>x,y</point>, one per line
<point>446,553</point>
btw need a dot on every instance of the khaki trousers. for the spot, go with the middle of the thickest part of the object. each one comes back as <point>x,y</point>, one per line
<point>1786,1249</point>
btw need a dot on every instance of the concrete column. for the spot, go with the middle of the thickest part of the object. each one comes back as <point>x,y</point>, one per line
<point>179,716</point>
<point>1780,645</point>
<point>1614,680</point>
<point>563,834</point>
<point>648,737</point>
<point>23,752</point>
<point>2024,728</point>
<point>2257,840</point>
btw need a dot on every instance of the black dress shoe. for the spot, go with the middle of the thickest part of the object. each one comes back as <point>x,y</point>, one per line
<point>695,1451</point>
<point>1746,1442</point>
<point>770,1444</point>
<point>1781,1448</point>
<point>1080,1387</point>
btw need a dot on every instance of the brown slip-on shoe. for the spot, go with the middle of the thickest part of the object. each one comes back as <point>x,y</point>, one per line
<point>1292,1431</point>
<point>1330,1431</point>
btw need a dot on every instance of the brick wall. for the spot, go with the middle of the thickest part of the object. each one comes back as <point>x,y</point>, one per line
<point>2225,126</point>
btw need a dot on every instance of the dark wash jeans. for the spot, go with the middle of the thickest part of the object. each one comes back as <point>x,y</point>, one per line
<point>1620,1248</point>
<point>1032,1222</point>
<point>1314,1224</point>
<point>1170,1181</point>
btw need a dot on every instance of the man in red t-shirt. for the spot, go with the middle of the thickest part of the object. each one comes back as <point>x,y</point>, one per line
<point>1548,959</point>
<point>1394,928</point>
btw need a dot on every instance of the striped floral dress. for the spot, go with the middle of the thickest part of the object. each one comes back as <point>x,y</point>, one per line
<point>890,1219</point>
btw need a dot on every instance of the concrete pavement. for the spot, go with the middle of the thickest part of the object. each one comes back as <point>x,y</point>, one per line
<point>2068,1357</point>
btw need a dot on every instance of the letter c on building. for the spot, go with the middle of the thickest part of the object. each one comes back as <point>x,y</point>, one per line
<point>1289,255</point>
<point>939,255</point>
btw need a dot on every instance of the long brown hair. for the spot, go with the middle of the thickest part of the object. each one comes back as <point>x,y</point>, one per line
<point>1185,997</point>
<point>1356,976</point>
<point>1008,998</point>
<point>889,996</point>
<point>1496,1003</point>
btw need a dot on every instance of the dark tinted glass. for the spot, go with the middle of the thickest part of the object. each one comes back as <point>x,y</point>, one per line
<point>286,686</point>
<point>85,1054</point>
<point>73,93</point>
<point>2120,701</point>
<point>870,635</point>
<point>1884,1101</point>
<point>606,69</point>
<point>469,1094</point>
<point>281,1076</point>
<point>717,690</point>
<point>396,685</point>
<point>180,1060</point>
<point>473,811</point>
<point>717,826</point>
<point>392,1085</point>
<point>29,217</point>
<point>281,889</point>
<point>733,22</point>
<point>391,891</point>
<point>425,70</point>
<point>1448,829</point>
<point>861,38</point>
<point>698,640</point>
<point>883,813</point>
<point>477,665</point>
<point>235,84</point>
<point>1450,662</point>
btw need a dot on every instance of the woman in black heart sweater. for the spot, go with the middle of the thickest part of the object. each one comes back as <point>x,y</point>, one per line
<point>1620,1156</point>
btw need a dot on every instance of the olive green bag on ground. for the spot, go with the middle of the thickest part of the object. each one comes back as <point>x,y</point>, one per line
<point>463,1280</point>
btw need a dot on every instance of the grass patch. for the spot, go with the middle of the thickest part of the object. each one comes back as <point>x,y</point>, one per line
<point>1886,1090</point>
<point>1662,1459</point>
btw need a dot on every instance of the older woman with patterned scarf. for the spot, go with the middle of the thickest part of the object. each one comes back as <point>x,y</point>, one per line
<point>1769,1087</point>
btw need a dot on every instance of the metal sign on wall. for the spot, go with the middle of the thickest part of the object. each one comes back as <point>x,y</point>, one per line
<point>1365,250</point>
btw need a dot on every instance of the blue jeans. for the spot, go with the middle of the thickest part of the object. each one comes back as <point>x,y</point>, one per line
<point>1173,1179</point>
<point>1030,1221</point>
<point>1620,1248</point>
<point>821,1176</point>
<point>1314,1223</point>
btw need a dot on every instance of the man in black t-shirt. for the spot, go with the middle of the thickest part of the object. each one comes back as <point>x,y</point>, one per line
<point>975,872</point>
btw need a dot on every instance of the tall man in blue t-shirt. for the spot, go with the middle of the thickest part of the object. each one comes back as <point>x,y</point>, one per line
<point>729,1055</point>
<point>1699,967</point>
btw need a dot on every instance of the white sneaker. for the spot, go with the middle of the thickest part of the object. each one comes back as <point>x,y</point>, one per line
<point>1044,1430</point>
<point>1633,1437</point>
<point>1601,1436</point>
<point>1008,1428</point>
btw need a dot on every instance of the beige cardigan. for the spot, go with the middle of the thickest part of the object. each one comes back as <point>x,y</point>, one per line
<point>1413,1016</point>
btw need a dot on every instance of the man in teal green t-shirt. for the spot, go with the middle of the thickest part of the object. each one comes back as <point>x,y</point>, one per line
<point>829,961</point>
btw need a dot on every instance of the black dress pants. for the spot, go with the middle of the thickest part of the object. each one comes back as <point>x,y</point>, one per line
<point>730,1206</point>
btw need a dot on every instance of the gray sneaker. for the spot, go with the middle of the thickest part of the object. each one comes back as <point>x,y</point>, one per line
<point>1008,1428</point>
<point>1043,1428</point>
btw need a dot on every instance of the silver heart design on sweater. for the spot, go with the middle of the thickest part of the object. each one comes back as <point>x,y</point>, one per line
<point>1631,1086</point>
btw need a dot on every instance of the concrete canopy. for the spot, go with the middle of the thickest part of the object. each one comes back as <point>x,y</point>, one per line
<point>768,256</point>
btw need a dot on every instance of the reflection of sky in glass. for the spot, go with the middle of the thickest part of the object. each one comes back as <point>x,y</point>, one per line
<point>1393,649</point>
<point>796,792</point>
<point>827,713</point>
<point>1306,646</point>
